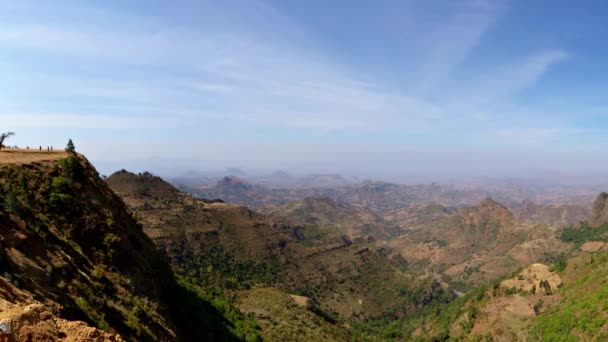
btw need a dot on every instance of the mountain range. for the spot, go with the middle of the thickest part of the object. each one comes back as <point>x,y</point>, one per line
<point>132,257</point>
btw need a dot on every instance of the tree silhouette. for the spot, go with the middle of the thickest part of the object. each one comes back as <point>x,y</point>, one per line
<point>70,148</point>
<point>3,138</point>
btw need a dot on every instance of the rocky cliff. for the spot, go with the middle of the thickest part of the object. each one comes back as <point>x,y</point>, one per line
<point>73,248</point>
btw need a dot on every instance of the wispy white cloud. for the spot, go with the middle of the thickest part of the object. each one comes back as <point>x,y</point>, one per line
<point>489,97</point>
<point>277,78</point>
<point>296,88</point>
<point>452,38</point>
<point>510,79</point>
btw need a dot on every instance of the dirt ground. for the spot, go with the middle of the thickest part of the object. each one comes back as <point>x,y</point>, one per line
<point>300,300</point>
<point>592,246</point>
<point>25,156</point>
<point>531,276</point>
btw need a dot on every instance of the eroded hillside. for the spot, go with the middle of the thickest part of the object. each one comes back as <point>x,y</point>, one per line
<point>473,245</point>
<point>563,302</point>
<point>219,245</point>
<point>347,263</point>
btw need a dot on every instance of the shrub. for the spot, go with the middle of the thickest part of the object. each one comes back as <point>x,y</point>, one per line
<point>584,233</point>
<point>538,307</point>
<point>72,170</point>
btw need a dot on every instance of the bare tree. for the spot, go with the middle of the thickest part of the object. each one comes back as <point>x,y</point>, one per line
<point>3,137</point>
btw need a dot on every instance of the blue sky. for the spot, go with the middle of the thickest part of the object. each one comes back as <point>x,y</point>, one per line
<point>374,88</point>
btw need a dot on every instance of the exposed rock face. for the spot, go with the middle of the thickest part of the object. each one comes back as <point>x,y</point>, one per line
<point>24,319</point>
<point>599,211</point>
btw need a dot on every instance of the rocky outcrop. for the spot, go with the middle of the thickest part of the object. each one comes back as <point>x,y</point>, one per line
<point>24,319</point>
<point>599,211</point>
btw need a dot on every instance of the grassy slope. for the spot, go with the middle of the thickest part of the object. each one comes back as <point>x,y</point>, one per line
<point>583,312</point>
<point>282,319</point>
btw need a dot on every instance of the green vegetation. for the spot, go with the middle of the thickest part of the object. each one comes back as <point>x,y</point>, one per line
<point>16,194</point>
<point>558,262</point>
<point>59,198</point>
<point>211,274</point>
<point>445,319</point>
<point>442,317</point>
<point>199,302</point>
<point>282,319</point>
<point>6,270</point>
<point>214,267</point>
<point>441,313</point>
<point>583,311</point>
<point>581,314</point>
<point>583,233</point>
<point>70,168</point>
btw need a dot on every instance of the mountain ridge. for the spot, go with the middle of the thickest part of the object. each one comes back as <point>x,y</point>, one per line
<point>349,280</point>
<point>71,243</point>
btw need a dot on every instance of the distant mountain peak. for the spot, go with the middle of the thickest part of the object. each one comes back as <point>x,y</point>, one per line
<point>490,202</point>
<point>232,180</point>
<point>144,184</point>
<point>489,211</point>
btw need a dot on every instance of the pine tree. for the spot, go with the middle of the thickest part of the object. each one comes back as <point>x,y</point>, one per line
<point>70,148</point>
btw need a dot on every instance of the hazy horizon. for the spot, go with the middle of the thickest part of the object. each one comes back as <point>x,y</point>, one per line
<point>410,166</point>
<point>445,91</point>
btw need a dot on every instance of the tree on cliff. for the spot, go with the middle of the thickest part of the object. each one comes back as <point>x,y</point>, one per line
<point>3,138</point>
<point>70,148</point>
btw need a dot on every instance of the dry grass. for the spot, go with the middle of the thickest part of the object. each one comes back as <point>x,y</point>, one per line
<point>25,156</point>
<point>531,277</point>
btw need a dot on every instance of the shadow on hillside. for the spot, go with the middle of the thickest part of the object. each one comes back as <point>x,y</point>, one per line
<point>199,320</point>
